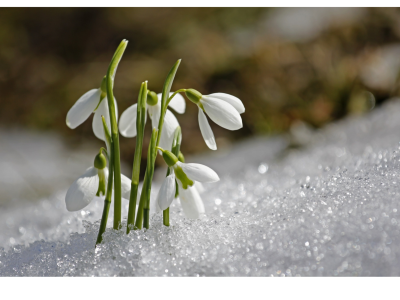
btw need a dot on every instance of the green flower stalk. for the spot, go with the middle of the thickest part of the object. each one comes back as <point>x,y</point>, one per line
<point>107,200</point>
<point>140,124</point>
<point>143,214</point>
<point>114,131</point>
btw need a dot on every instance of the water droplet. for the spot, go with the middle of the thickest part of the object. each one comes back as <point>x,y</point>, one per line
<point>262,168</point>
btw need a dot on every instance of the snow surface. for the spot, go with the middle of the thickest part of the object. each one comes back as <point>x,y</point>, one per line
<point>330,209</point>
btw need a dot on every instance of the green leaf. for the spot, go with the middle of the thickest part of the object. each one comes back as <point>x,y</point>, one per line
<point>168,83</point>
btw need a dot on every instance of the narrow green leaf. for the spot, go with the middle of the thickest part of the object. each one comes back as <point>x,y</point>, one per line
<point>165,94</point>
<point>140,124</point>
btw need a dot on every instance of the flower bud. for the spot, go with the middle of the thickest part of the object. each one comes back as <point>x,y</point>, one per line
<point>152,98</point>
<point>193,95</point>
<point>169,158</point>
<point>100,161</point>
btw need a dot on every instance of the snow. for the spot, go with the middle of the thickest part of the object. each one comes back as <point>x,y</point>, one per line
<point>328,209</point>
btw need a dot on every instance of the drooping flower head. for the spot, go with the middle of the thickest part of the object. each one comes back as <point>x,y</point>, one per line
<point>223,109</point>
<point>92,183</point>
<point>127,124</point>
<point>186,174</point>
<point>94,101</point>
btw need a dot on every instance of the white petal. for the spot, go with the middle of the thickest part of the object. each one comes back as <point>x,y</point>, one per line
<point>199,172</point>
<point>97,124</point>
<point>222,113</point>
<point>169,126</point>
<point>127,123</point>
<point>177,103</point>
<point>166,193</point>
<point>83,108</point>
<point>232,100</point>
<point>191,202</point>
<point>199,187</point>
<point>82,191</point>
<point>206,131</point>
<point>125,187</point>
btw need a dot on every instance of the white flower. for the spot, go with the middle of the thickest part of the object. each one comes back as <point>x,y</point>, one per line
<point>85,188</point>
<point>85,106</point>
<point>223,109</point>
<point>127,124</point>
<point>186,174</point>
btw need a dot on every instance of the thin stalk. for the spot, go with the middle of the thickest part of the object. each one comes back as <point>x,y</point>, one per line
<point>107,200</point>
<point>140,124</point>
<point>153,155</point>
<point>140,212</point>
<point>173,95</point>
<point>114,131</point>
<point>176,146</point>
<point>165,215</point>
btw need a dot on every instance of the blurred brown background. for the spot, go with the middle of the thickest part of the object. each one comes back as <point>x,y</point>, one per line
<point>289,66</point>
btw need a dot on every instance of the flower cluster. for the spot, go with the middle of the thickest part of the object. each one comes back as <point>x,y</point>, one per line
<point>183,179</point>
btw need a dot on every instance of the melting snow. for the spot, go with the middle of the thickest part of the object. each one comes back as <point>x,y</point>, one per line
<point>330,209</point>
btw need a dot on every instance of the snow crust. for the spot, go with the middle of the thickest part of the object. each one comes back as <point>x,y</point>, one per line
<point>329,209</point>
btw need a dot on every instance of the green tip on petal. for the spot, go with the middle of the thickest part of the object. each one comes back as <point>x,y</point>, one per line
<point>182,177</point>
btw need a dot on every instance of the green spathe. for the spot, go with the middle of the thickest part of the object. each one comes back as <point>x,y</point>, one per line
<point>152,98</point>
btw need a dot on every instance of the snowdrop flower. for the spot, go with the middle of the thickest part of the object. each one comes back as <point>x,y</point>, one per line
<point>127,124</point>
<point>186,175</point>
<point>93,183</point>
<point>93,101</point>
<point>223,109</point>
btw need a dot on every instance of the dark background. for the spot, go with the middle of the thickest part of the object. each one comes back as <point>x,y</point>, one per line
<point>288,66</point>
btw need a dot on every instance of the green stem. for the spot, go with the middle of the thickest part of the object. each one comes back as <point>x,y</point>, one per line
<point>114,131</point>
<point>117,183</point>
<point>146,219</point>
<point>107,203</point>
<point>143,213</point>
<point>140,124</point>
<point>140,212</point>
<point>166,217</point>
<point>107,200</point>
